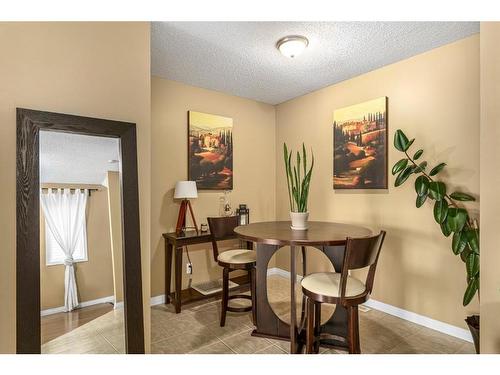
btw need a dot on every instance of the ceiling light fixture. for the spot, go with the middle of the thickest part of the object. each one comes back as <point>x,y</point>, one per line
<point>292,45</point>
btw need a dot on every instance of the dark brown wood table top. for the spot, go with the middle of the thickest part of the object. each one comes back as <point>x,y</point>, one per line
<point>319,233</point>
<point>186,235</point>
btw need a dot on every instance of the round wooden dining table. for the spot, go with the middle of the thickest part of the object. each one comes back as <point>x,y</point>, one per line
<point>330,238</point>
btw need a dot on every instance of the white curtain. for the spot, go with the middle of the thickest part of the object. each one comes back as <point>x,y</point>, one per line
<point>65,214</point>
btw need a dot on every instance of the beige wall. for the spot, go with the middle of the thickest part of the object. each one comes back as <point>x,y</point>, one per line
<point>254,167</point>
<point>433,97</point>
<point>490,180</point>
<point>90,69</point>
<point>115,228</point>
<point>94,277</point>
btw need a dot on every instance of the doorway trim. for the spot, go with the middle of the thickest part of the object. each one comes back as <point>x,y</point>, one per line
<point>29,124</point>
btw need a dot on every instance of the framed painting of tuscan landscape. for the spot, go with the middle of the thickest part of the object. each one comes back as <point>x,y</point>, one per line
<point>360,146</point>
<point>210,150</point>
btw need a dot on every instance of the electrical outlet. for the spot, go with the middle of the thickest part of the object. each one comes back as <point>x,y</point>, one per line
<point>189,268</point>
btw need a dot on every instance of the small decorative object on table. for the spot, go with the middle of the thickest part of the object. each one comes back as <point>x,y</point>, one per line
<point>298,186</point>
<point>204,228</point>
<point>243,214</point>
<point>227,210</point>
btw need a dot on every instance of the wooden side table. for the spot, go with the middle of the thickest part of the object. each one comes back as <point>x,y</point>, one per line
<point>174,245</point>
<point>177,242</point>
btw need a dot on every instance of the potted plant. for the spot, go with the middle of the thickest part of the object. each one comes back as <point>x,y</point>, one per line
<point>449,213</point>
<point>298,180</point>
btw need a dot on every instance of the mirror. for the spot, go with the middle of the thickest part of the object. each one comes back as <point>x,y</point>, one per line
<point>81,270</point>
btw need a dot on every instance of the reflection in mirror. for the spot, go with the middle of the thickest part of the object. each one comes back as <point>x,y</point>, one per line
<point>81,277</point>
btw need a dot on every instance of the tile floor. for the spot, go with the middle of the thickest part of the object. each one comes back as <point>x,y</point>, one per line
<point>196,330</point>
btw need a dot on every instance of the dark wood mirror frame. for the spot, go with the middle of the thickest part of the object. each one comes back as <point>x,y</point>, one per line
<point>29,124</point>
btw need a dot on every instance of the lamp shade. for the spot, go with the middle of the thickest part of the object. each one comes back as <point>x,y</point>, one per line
<point>185,190</point>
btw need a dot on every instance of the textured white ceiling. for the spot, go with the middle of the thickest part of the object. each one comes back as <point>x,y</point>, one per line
<point>240,58</point>
<point>72,158</point>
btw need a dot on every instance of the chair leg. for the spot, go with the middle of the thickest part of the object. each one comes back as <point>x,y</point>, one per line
<point>225,296</point>
<point>317,325</point>
<point>353,330</point>
<point>310,327</point>
<point>254,294</point>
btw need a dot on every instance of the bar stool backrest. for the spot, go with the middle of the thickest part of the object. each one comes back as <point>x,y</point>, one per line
<point>222,228</point>
<point>361,253</point>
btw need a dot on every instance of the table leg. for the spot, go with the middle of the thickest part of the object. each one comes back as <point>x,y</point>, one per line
<point>178,278</point>
<point>168,270</point>
<point>293,307</point>
<point>268,324</point>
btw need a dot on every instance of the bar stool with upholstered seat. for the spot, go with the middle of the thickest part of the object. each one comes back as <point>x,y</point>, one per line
<point>341,288</point>
<point>222,228</point>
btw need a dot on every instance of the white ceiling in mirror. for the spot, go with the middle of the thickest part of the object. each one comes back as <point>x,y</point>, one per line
<point>241,58</point>
<point>73,158</point>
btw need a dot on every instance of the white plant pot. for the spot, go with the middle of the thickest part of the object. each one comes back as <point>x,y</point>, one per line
<point>299,220</point>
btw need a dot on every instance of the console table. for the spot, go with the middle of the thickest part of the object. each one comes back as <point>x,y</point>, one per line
<point>174,245</point>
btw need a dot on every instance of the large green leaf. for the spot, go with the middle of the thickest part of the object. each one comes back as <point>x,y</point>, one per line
<point>437,169</point>
<point>399,166</point>
<point>418,154</point>
<point>471,290</point>
<point>421,185</point>
<point>445,229</point>
<point>440,210</point>
<point>465,254</point>
<point>421,167</point>
<point>472,265</point>
<point>403,176</point>
<point>456,218</point>
<point>458,243</point>
<point>420,200</point>
<point>458,196</point>
<point>400,140</point>
<point>473,240</point>
<point>437,190</point>
<point>410,142</point>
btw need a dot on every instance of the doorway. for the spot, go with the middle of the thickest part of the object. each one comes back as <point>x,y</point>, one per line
<point>29,125</point>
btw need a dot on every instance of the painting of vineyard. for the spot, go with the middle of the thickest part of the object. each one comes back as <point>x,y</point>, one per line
<point>360,146</point>
<point>210,161</point>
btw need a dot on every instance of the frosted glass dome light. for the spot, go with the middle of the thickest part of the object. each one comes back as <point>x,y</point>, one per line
<point>292,45</point>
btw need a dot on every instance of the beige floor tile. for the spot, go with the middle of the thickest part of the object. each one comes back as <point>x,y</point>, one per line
<point>282,344</point>
<point>273,349</point>
<point>244,343</point>
<point>466,348</point>
<point>183,343</point>
<point>217,348</point>
<point>231,328</point>
<point>428,341</point>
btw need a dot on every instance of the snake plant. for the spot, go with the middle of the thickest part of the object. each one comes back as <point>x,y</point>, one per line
<point>298,183</point>
<point>449,213</point>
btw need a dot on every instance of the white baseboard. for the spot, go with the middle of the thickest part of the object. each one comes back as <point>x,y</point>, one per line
<point>422,320</point>
<point>55,310</point>
<point>157,300</point>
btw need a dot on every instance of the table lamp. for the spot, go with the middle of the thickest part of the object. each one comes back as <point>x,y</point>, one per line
<point>185,190</point>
